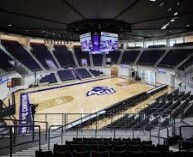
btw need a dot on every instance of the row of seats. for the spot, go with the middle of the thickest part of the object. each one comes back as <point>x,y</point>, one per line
<point>50,78</point>
<point>168,105</point>
<point>83,73</point>
<point>112,153</point>
<point>66,75</point>
<point>41,52</point>
<point>111,147</point>
<point>96,72</point>
<point>4,112</point>
<point>17,50</point>
<point>5,61</point>
<point>64,57</point>
<point>8,111</point>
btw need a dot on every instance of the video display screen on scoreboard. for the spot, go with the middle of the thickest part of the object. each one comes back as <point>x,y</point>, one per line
<point>86,42</point>
<point>108,42</point>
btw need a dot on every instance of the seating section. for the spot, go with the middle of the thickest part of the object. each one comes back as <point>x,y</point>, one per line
<point>174,57</point>
<point>66,75</point>
<point>3,130</point>
<point>168,106</point>
<point>183,44</point>
<point>97,59</point>
<point>66,59</point>
<point>4,60</point>
<point>188,112</point>
<point>41,52</point>
<point>81,55</point>
<point>129,57</point>
<point>188,63</point>
<point>156,46</point>
<point>114,55</point>
<point>83,73</point>
<point>96,72</point>
<point>150,57</point>
<point>51,78</point>
<point>8,111</point>
<point>16,50</point>
<point>5,111</point>
<point>64,56</point>
<point>111,147</point>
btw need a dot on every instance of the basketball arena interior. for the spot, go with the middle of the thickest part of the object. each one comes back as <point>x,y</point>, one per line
<point>96,78</point>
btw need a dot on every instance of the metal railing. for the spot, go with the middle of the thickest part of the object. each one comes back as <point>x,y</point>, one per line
<point>159,136</point>
<point>16,123</point>
<point>11,143</point>
<point>78,131</point>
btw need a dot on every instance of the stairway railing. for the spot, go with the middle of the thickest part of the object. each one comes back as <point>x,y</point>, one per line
<point>11,127</point>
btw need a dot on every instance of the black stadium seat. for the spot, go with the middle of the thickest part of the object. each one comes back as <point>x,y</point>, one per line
<point>81,153</point>
<point>60,148</point>
<point>67,153</point>
<point>118,153</point>
<point>100,154</point>
<point>44,154</point>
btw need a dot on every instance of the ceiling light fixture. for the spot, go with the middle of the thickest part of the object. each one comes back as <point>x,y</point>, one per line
<point>10,25</point>
<point>178,2</point>
<point>165,26</point>
<point>173,19</point>
<point>169,9</point>
<point>162,4</point>
<point>176,13</point>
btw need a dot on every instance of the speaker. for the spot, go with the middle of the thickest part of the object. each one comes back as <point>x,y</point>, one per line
<point>15,81</point>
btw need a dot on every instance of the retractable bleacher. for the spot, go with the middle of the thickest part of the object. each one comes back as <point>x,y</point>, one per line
<point>17,50</point>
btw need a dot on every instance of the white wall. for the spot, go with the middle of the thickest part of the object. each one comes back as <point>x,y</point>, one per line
<point>166,78</point>
<point>183,88</point>
<point>4,90</point>
<point>123,70</point>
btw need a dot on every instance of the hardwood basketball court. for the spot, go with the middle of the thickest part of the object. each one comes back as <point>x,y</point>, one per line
<point>73,98</point>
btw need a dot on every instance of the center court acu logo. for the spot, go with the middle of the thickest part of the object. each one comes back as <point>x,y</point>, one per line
<point>100,90</point>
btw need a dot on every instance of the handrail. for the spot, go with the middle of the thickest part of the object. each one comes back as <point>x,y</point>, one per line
<point>77,133</point>
<point>51,126</point>
<point>159,137</point>
<point>11,135</point>
<point>9,111</point>
<point>15,122</point>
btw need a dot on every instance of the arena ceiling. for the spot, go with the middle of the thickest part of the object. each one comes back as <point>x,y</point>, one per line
<point>66,19</point>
